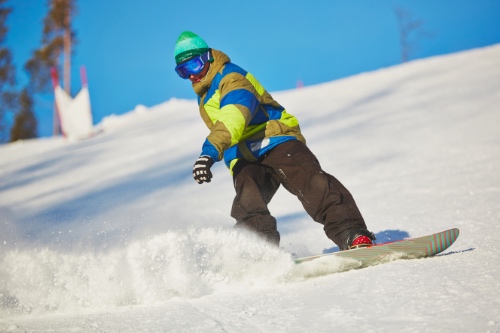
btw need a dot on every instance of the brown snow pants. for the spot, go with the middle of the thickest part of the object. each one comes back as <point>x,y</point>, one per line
<point>294,166</point>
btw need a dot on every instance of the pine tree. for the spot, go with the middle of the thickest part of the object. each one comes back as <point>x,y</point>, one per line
<point>8,96</point>
<point>409,26</point>
<point>25,124</point>
<point>57,40</point>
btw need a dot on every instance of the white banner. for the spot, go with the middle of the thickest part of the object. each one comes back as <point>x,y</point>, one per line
<point>74,113</point>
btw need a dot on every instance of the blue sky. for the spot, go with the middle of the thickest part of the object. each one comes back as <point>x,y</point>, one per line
<point>127,46</point>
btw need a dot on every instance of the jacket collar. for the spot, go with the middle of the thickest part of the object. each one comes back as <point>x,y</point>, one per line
<point>220,59</point>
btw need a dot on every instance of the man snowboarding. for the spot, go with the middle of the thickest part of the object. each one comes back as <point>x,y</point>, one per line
<point>263,147</point>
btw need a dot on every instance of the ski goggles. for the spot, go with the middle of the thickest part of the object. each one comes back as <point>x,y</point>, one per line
<point>193,66</point>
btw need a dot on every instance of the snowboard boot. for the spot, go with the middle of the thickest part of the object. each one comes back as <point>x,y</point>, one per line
<point>361,240</point>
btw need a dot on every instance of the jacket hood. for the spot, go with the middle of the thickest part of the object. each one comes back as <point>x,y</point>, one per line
<point>220,59</point>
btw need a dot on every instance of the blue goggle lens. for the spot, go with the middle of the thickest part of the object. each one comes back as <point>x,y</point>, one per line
<point>193,66</point>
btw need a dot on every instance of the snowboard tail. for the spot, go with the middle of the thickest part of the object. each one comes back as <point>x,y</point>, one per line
<point>410,248</point>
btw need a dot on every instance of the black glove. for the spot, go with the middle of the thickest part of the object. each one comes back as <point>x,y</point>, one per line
<point>201,169</point>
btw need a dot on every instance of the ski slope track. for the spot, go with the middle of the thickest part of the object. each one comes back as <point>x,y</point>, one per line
<point>111,234</point>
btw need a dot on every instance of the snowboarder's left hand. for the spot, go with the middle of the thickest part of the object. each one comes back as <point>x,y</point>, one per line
<point>201,169</point>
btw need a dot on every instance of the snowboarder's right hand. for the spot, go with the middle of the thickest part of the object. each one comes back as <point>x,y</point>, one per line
<point>201,169</point>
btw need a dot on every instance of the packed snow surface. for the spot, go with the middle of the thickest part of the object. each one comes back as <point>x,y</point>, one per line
<point>111,234</point>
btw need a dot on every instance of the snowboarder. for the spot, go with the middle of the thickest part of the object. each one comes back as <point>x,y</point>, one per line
<point>263,147</point>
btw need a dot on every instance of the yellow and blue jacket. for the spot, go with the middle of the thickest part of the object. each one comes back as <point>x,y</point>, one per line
<point>243,118</point>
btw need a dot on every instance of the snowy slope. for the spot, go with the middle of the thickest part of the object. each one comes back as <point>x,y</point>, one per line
<point>112,234</point>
